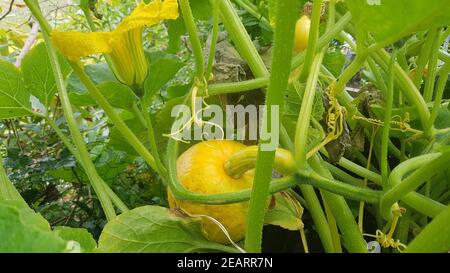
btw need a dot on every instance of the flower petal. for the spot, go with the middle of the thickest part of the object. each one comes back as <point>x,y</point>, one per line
<point>78,44</point>
<point>149,14</point>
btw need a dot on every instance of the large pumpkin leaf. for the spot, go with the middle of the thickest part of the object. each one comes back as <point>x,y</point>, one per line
<point>390,20</point>
<point>153,229</point>
<point>80,235</point>
<point>14,97</point>
<point>22,230</point>
<point>38,74</point>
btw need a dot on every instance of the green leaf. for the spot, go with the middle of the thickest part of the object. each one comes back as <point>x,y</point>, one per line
<point>390,20</point>
<point>175,30</point>
<point>80,235</point>
<point>38,74</point>
<point>287,213</point>
<point>14,97</point>
<point>334,61</point>
<point>22,230</point>
<point>153,229</point>
<point>201,9</point>
<point>98,73</point>
<point>117,141</point>
<point>7,189</point>
<point>443,118</point>
<point>163,67</point>
<point>175,91</point>
<point>293,98</point>
<point>117,94</point>
<point>109,163</point>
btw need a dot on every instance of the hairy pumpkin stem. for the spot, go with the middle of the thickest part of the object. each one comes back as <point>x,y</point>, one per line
<point>245,160</point>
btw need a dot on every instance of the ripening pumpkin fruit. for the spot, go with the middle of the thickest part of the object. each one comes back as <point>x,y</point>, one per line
<point>201,169</point>
<point>301,33</point>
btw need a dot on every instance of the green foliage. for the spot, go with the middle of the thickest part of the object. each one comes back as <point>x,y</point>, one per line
<point>334,61</point>
<point>14,97</point>
<point>38,74</point>
<point>119,95</point>
<point>81,236</point>
<point>389,21</point>
<point>285,214</point>
<point>163,68</point>
<point>201,9</point>
<point>153,229</point>
<point>99,73</point>
<point>293,97</point>
<point>22,230</point>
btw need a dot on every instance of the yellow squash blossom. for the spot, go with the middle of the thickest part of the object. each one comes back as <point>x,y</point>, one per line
<point>123,45</point>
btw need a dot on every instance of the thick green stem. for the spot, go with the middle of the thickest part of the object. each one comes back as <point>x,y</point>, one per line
<point>91,172</point>
<point>319,218</point>
<point>424,56</point>
<point>343,175</point>
<point>250,8</point>
<point>313,205</point>
<point>440,88</point>
<point>349,191</point>
<point>350,71</point>
<point>353,239</point>
<point>384,160</point>
<point>240,37</point>
<point>312,40</point>
<point>194,38</point>
<point>282,54</point>
<point>214,36</point>
<point>380,82</point>
<point>419,177</point>
<point>33,6</point>
<point>138,114</point>
<point>432,69</point>
<point>245,160</point>
<point>335,236</point>
<point>303,122</point>
<point>236,87</point>
<point>422,204</point>
<point>300,150</point>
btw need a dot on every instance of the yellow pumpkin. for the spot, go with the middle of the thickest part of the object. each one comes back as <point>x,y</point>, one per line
<point>201,169</point>
<point>302,33</point>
